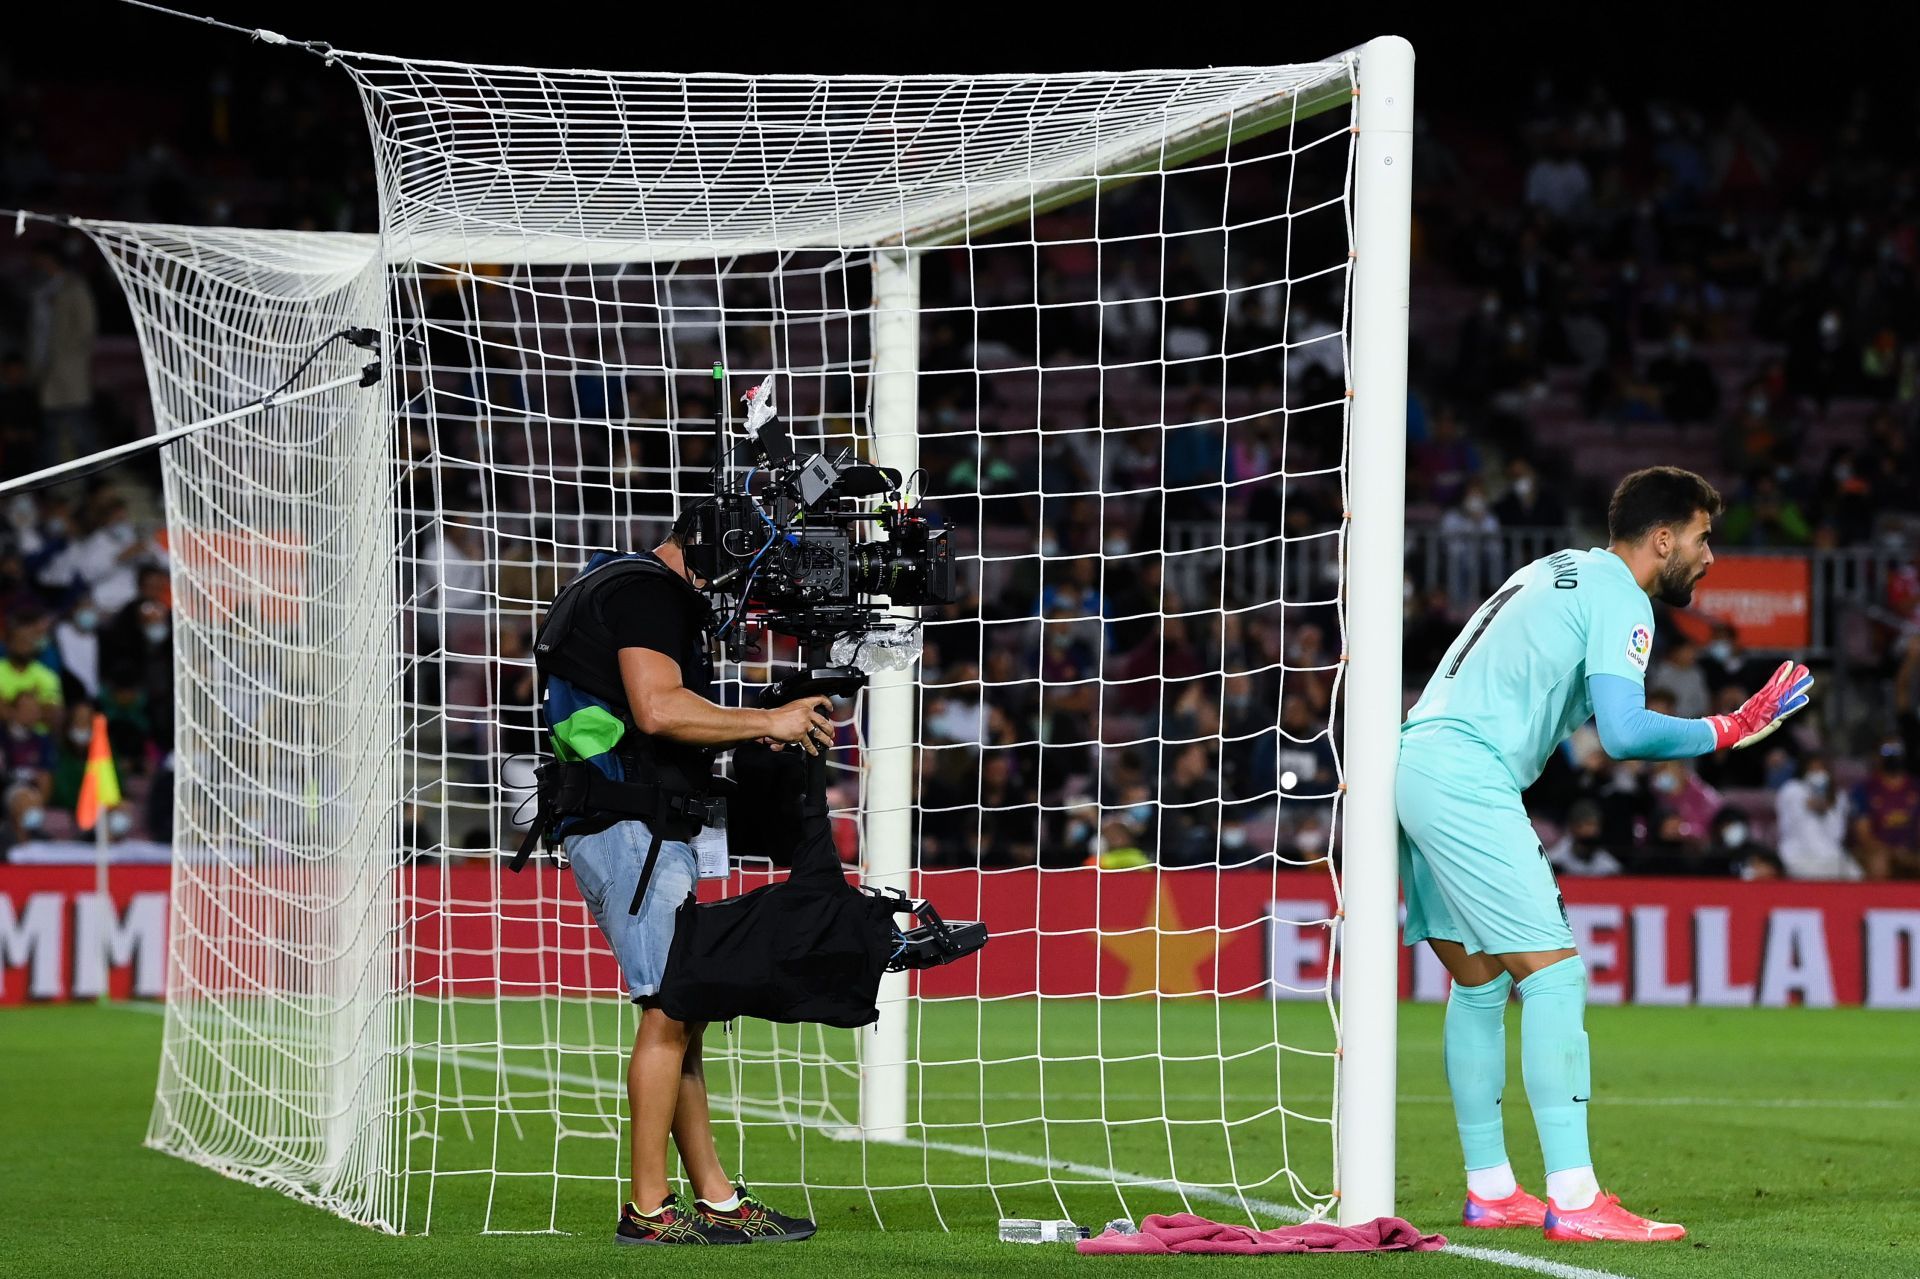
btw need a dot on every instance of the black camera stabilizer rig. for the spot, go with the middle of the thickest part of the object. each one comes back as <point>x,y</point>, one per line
<point>790,554</point>
<point>812,582</point>
<point>935,941</point>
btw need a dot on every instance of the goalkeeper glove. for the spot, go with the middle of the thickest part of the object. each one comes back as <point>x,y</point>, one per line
<point>1778,698</point>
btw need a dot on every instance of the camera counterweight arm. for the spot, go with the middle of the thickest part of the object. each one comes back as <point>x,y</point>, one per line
<point>934,941</point>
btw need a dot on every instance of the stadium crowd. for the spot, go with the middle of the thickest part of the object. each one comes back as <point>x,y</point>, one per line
<point>86,595</point>
<point>1601,286</point>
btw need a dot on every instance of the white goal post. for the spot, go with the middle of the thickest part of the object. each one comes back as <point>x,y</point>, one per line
<point>1370,980</point>
<point>361,1019</point>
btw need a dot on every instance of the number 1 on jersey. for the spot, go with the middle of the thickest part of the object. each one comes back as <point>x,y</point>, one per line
<point>1488,612</point>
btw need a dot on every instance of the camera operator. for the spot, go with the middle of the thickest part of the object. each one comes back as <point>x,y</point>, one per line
<point>638,626</point>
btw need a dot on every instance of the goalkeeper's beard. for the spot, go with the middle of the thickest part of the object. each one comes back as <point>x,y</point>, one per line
<point>1676,583</point>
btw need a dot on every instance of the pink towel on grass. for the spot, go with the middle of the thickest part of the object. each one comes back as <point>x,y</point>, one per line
<point>1185,1233</point>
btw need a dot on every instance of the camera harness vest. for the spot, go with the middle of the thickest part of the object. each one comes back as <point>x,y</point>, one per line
<point>575,644</point>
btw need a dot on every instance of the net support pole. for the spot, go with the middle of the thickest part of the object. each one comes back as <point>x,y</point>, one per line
<point>120,452</point>
<point>1369,947</point>
<point>888,815</point>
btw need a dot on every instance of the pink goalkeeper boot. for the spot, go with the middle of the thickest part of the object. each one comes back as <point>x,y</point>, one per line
<point>1517,1209</point>
<point>1604,1218</point>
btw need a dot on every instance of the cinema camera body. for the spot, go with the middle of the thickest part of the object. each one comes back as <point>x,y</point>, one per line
<point>785,555</point>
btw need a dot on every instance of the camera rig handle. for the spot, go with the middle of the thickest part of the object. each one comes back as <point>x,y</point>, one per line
<point>815,681</point>
<point>934,941</point>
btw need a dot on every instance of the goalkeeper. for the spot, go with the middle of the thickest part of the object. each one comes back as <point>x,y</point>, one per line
<point>1566,638</point>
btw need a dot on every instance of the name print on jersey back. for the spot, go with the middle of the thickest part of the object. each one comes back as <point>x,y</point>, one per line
<point>1515,679</point>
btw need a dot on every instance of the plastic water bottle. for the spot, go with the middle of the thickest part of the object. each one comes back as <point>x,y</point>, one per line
<point>1027,1230</point>
<point>1121,1226</point>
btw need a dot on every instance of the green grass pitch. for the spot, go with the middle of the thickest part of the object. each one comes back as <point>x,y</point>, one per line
<point>1785,1139</point>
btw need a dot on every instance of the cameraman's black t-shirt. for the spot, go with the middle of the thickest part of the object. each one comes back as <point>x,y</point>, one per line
<point>670,618</point>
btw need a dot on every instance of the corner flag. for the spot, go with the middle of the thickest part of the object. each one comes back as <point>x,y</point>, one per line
<point>101,787</point>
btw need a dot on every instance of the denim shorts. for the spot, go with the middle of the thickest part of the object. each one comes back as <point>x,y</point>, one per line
<point>606,868</point>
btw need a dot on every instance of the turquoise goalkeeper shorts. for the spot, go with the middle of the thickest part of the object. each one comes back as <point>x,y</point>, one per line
<point>1471,865</point>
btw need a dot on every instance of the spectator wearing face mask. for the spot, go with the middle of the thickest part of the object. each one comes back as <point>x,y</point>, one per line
<point>1818,363</point>
<point>1688,390</point>
<point>1848,498</point>
<point>1119,847</point>
<point>1679,791</point>
<point>136,662</point>
<point>42,527</point>
<point>71,745</point>
<point>1526,504</point>
<point>1886,830</point>
<point>1311,839</point>
<point>1066,838</point>
<point>1813,825</point>
<point>1724,662</point>
<point>30,759</point>
<point>1582,850</point>
<point>1734,851</point>
<point>105,561</point>
<point>1235,849</point>
<point>1470,536</point>
<point>77,639</point>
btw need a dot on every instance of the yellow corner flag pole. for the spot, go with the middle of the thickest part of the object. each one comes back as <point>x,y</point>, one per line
<point>99,794</point>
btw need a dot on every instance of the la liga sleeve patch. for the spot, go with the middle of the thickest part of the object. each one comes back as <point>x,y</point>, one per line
<point>1639,646</point>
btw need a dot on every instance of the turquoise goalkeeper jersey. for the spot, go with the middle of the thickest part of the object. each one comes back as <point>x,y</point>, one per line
<point>1515,678</point>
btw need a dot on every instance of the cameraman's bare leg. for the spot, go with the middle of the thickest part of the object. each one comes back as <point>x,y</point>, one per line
<point>693,1126</point>
<point>653,1091</point>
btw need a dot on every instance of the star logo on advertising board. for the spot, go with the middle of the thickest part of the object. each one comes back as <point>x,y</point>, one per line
<point>1160,955</point>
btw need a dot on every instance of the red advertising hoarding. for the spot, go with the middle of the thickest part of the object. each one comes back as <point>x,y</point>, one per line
<point>1246,934</point>
<point>1768,598</point>
<point>59,941</point>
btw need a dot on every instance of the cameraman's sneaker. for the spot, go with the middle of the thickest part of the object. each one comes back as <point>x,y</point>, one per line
<point>672,1224</point>
<point>759,1223</point>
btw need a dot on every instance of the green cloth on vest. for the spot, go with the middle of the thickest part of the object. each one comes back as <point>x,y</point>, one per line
<point>588,732</point>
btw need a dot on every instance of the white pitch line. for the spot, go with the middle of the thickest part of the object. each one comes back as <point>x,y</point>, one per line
<point>1496,1256</point>
<point>1521,1261</point>
<point>1493,1256</point>
<point>1429,1099</point>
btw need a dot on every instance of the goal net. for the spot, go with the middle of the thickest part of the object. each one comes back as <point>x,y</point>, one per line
<point>1109,319</point>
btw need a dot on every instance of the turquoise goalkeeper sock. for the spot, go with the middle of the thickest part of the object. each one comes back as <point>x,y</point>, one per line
<point>1476,1056</point>
<point>1553,1061</point>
